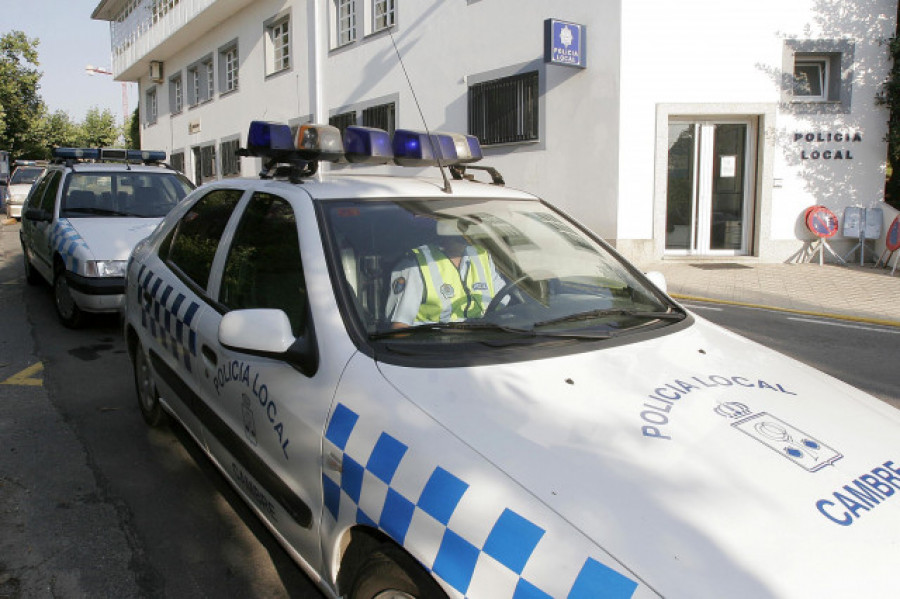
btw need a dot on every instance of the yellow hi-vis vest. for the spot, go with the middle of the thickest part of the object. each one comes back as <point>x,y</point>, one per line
<point>447,297</point>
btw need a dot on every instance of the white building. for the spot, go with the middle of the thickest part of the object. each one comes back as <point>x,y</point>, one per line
<point>697,128</point>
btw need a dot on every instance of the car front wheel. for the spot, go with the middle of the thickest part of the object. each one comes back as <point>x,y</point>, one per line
<point>68,312</point>
<point>389,573</point>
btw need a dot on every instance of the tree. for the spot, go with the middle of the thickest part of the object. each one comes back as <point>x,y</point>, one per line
<point>890,97</point>
<point>21,107</point>
<point>133,132</point>
<point>99,129</point>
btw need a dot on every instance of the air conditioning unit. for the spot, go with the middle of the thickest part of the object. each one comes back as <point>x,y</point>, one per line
<point>156,71</point>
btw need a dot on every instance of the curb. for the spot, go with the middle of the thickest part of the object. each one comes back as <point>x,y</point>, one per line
<point>861,319</point>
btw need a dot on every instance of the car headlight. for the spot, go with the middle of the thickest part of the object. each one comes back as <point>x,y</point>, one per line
<point>105,268</point>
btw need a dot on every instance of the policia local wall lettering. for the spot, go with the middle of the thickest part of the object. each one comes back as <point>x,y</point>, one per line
<point>826,137</point>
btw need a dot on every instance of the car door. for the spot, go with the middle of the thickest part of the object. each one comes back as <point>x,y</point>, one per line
<point>37,231</point>
<point>172,292</point>
<point>272,414</point>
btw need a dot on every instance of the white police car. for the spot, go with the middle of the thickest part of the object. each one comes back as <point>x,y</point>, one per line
<point>20,183</point>
<point>448,388</point>
<point>84,216</point>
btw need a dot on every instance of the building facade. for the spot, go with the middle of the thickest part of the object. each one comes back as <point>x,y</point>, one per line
<point>698,129</point>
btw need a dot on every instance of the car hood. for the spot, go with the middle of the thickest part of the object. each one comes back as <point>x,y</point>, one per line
<point>19,190</point>
<point>113,238</point>
<point>706,463</point>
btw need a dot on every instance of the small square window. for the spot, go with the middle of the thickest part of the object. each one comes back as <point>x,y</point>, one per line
<point>343,120</point>
<point>382,116</point>
<point>811,79</point>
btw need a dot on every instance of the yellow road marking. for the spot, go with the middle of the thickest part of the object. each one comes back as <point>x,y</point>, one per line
<point>25,377</point>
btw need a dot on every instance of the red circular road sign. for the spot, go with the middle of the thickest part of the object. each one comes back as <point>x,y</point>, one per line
<point>821,221</point>
<point>892,239</point>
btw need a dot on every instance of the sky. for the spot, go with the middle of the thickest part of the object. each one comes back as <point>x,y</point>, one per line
<point>69,41</point>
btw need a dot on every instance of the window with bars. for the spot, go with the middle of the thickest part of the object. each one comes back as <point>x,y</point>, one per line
<point>343,120</point>
<point>207,163</point>
<point>231,162</point>
<point>228,70</point>
<point>382,14</point>
<point>278,34</point>
<point>505,110</point>
<point>382,116</point>
<point>151,106</point>
<point>176,93</point>
<point>345,13</point>
<point>176,160</point>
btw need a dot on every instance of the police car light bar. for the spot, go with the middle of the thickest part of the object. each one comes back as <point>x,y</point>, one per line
<point>77,153</point>
<point>367,145</point>
<point>146,155</point>
<point>414,148</point>
<point>320,142</point>
<point>268,139</point>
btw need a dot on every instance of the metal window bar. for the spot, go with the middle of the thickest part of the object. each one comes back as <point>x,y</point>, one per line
<point>177,161</point>
<point>208,162</point>
<point>230,160</point>
<point>505,110</point>
<point>342,120</point>
<point>381,116</point>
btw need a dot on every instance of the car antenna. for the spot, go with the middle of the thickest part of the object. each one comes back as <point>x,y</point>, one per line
<point>434,148</point>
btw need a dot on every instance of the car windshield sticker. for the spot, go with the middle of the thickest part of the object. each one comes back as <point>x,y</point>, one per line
<point>363,493</point>
<point>655,413</point>
<point>846,505</point>
<point>788,441</point>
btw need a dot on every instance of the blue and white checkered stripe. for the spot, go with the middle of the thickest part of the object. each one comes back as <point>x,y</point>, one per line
<point>67,242</point>
<point>169,316</point>
<point>495,558</point>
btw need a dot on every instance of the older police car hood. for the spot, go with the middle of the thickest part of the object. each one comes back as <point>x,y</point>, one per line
<point>706,463</point>
<point>113,238</point>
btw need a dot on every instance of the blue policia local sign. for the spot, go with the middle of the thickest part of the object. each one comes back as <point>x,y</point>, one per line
<point>564,43</point>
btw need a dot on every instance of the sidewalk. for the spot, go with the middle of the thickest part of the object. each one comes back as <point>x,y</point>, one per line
<point>861,293</point>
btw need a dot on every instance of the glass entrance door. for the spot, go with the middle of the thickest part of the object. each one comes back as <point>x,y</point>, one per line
<point>708,203</point>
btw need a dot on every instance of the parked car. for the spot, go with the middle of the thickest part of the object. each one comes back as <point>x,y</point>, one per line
<point>84,216</point>
<point>20,183</point>
<point>448,388</point>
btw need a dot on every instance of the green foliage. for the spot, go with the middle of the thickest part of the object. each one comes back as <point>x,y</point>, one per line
<point>21,107</point>
<point>99,129</point>
<point>133,131</point>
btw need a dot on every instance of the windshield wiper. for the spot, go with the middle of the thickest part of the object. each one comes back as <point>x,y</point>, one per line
<point>480,326</point>
<point>96,211</point>
<point>590,314</point>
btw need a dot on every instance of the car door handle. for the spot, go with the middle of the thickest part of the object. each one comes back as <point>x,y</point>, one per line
<point>209,354</point>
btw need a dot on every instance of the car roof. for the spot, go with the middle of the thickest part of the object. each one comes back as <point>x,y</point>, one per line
<point>113,167</point>
<point>343,186</point>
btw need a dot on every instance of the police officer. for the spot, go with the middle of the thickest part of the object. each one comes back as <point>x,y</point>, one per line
<point>446,282</point>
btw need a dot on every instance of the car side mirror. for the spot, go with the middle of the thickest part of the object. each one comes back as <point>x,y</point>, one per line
<point>38,215</point>
<point>658,279</point>
<point>267,333</point>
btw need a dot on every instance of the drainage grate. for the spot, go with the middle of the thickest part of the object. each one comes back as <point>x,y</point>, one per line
<point>720,266</point>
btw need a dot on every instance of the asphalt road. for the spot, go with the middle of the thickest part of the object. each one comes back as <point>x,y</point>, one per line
<point>862,355</point>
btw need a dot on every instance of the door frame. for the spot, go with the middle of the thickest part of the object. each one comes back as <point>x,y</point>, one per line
<point>758,203</point>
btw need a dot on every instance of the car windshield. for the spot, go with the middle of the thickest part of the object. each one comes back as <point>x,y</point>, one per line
<point>126,193</point>
<point>434,271</point>
<point>25,175</point>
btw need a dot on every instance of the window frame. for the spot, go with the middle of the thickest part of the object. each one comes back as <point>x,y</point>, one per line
<point>151,105</point>
<point>526,121</point>
<point>176,93</point>
<point>837,60</point>
<point>229,68</point>
<point>345,22</point>
<point>389,14</point>
<point>278,37</point>
<point>230,161</point>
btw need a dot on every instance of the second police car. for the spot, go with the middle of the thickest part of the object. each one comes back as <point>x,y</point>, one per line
<point>434,388</point>
<point>83,217</point>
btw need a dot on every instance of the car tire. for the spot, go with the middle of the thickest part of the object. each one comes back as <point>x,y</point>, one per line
<point>31,275</point>
<point>148,397</point>
<point>70,315</point>
<point>388,572</point>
